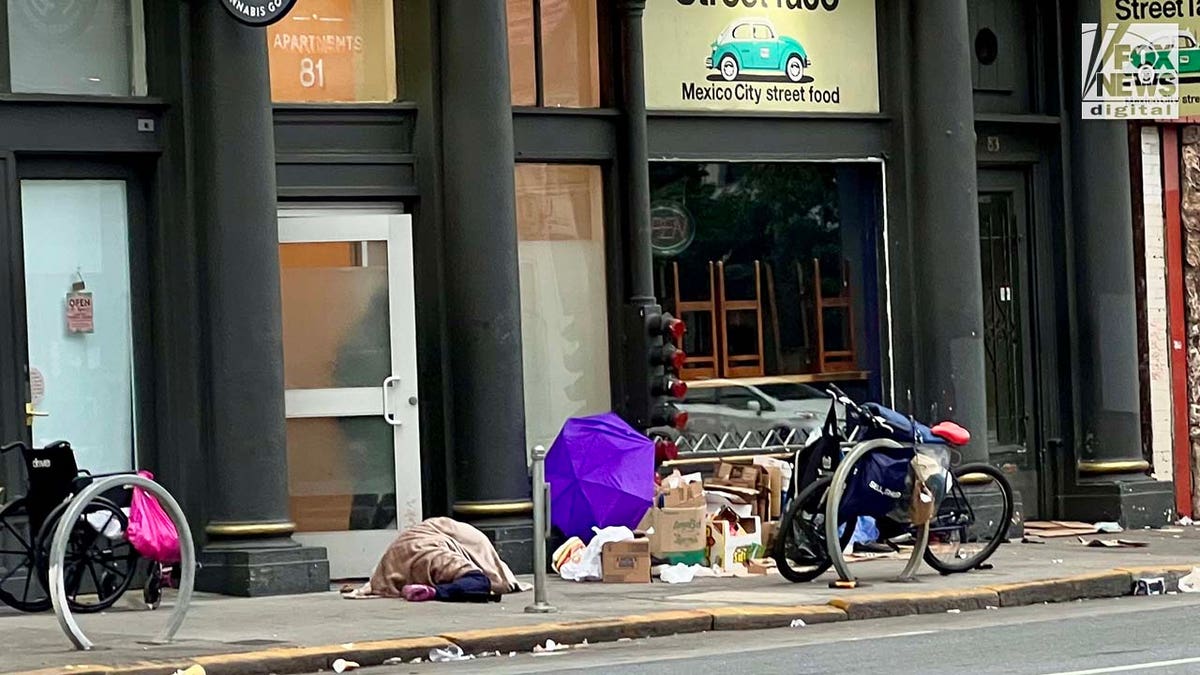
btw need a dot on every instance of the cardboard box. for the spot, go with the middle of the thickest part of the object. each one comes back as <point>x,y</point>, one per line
<point>678,534</point>
<point>677,521</point>
<point>687,495</point>
<point>731,543</point>
<point>770,530</point>
<point>737,475</point>
<point>718,501</point>
<point>775,489</point>
<point>626,562</point>
<point>761,566</point>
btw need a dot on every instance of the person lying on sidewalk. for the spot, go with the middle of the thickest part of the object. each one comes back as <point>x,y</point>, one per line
<point>439,559</point>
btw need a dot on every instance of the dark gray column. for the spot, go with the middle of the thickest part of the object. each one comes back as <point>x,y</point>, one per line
<point>946,267</point>
<point>1107,479</point>
<point>1106,305</point>
<point>482,284</point>
<point>248,529</point>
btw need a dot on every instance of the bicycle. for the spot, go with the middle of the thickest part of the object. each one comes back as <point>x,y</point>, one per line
<point>969,525</point>
<point>100,563</point>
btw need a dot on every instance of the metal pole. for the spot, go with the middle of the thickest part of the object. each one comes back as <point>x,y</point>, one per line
<point>637,158</point>
<point>62,535</point>
<point>541,517</point>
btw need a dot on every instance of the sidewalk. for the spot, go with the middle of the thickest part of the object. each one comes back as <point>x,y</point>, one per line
<point>273,627</point>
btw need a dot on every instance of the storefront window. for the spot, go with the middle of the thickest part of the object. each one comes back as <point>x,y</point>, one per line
<point>773,266</point>
<point>334,51</point>
<point>566,34</point>
<point>564,325</point>
<point>76,47</point>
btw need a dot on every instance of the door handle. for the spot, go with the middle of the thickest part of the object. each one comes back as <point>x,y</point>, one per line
<point>30,413</point>
<point>389,415</point>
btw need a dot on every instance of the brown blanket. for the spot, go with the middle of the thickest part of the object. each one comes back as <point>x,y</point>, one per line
<point>438,551</point>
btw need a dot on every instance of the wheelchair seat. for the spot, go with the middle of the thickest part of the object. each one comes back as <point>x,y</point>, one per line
<point>952,433</point>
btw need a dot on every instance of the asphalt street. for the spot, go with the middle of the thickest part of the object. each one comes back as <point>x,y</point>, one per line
<point>1130,635</point>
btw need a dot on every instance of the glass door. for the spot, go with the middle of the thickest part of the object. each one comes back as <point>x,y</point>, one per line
<point>349,332</point>
<point>79,318</point>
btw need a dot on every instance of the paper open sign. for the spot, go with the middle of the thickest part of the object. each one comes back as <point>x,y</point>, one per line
<point>80,312</point>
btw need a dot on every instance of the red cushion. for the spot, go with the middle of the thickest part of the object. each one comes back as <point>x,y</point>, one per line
<point>952,433</point>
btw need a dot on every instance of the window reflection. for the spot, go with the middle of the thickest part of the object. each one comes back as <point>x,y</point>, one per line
<point>72,47</point>
<point>564,325</point>
<point>570,58</point>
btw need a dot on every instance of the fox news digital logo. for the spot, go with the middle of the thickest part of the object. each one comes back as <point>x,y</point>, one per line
<point>1130,71</point>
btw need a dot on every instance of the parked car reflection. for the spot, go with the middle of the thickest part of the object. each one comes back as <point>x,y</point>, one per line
<point>758,412</point>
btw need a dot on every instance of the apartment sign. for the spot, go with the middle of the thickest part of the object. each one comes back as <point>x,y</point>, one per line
<point>762,55</point>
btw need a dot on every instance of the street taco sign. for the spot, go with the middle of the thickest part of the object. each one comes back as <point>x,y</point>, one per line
<point>762,55</point>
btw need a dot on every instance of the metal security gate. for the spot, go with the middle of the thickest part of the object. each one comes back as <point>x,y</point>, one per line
<point>1007,334</point>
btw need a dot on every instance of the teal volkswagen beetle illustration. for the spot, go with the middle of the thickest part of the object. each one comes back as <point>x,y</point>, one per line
<point>755,45</point>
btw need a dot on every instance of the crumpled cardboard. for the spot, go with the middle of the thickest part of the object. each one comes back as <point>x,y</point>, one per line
<point>677,520</point>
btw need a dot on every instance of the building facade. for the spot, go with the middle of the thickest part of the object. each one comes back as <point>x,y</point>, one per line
<point>340,272</point>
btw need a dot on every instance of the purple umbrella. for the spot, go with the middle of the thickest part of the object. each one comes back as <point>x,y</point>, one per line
<point>601,474</point>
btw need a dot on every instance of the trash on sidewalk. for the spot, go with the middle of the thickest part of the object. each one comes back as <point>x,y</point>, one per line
<point>454,558</point>
<point>1108,527</point>
<point>676,521</point>
<point>749,489</point>
<point>550,646</point>
<point>601,474</point>
<point>1150,586</point>
<point>1190,582</point>
<point>1112,543</point>
<point>342,665</point>
<point>448,653</point>
<point>797,623</point>
<point>626,562</point>
<point>191,670</point>
<point>733,539</point>
<point>1052,529</point>
<point>585,564</point>
<point>676,574</point>
<point>570,551</point>
<point>761,566</point>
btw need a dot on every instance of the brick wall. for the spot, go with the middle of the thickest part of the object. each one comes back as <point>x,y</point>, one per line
<point>1156,303</point>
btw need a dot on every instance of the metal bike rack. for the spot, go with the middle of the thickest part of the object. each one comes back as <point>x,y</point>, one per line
<point>58,552</point>
<point>834,498</point>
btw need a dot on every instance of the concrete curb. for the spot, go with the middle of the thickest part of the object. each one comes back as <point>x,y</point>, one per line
<point>295,660</point>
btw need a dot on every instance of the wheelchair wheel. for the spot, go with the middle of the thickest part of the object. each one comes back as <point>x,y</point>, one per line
<point>21,587</point>
<point>972,520</point>
<point>99,563</point>
<point>800,550</point>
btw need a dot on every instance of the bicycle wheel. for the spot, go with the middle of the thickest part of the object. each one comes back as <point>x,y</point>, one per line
<point>972,520</point>
<point>21,586</point>
<point>800,551</point>
<point>99,563</point>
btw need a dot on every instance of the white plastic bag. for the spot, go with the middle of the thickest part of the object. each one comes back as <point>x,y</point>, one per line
<point>588,567</point>
<point>1190,583</point>
<point>677,574</point>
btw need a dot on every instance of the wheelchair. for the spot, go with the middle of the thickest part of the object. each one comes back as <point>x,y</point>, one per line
<point>100,563</point>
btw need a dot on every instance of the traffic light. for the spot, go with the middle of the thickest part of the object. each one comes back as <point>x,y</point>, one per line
<point>666,358</point>
<point>653,361</point>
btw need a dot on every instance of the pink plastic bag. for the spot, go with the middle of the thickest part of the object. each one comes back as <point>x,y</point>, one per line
<point>151,531</point>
